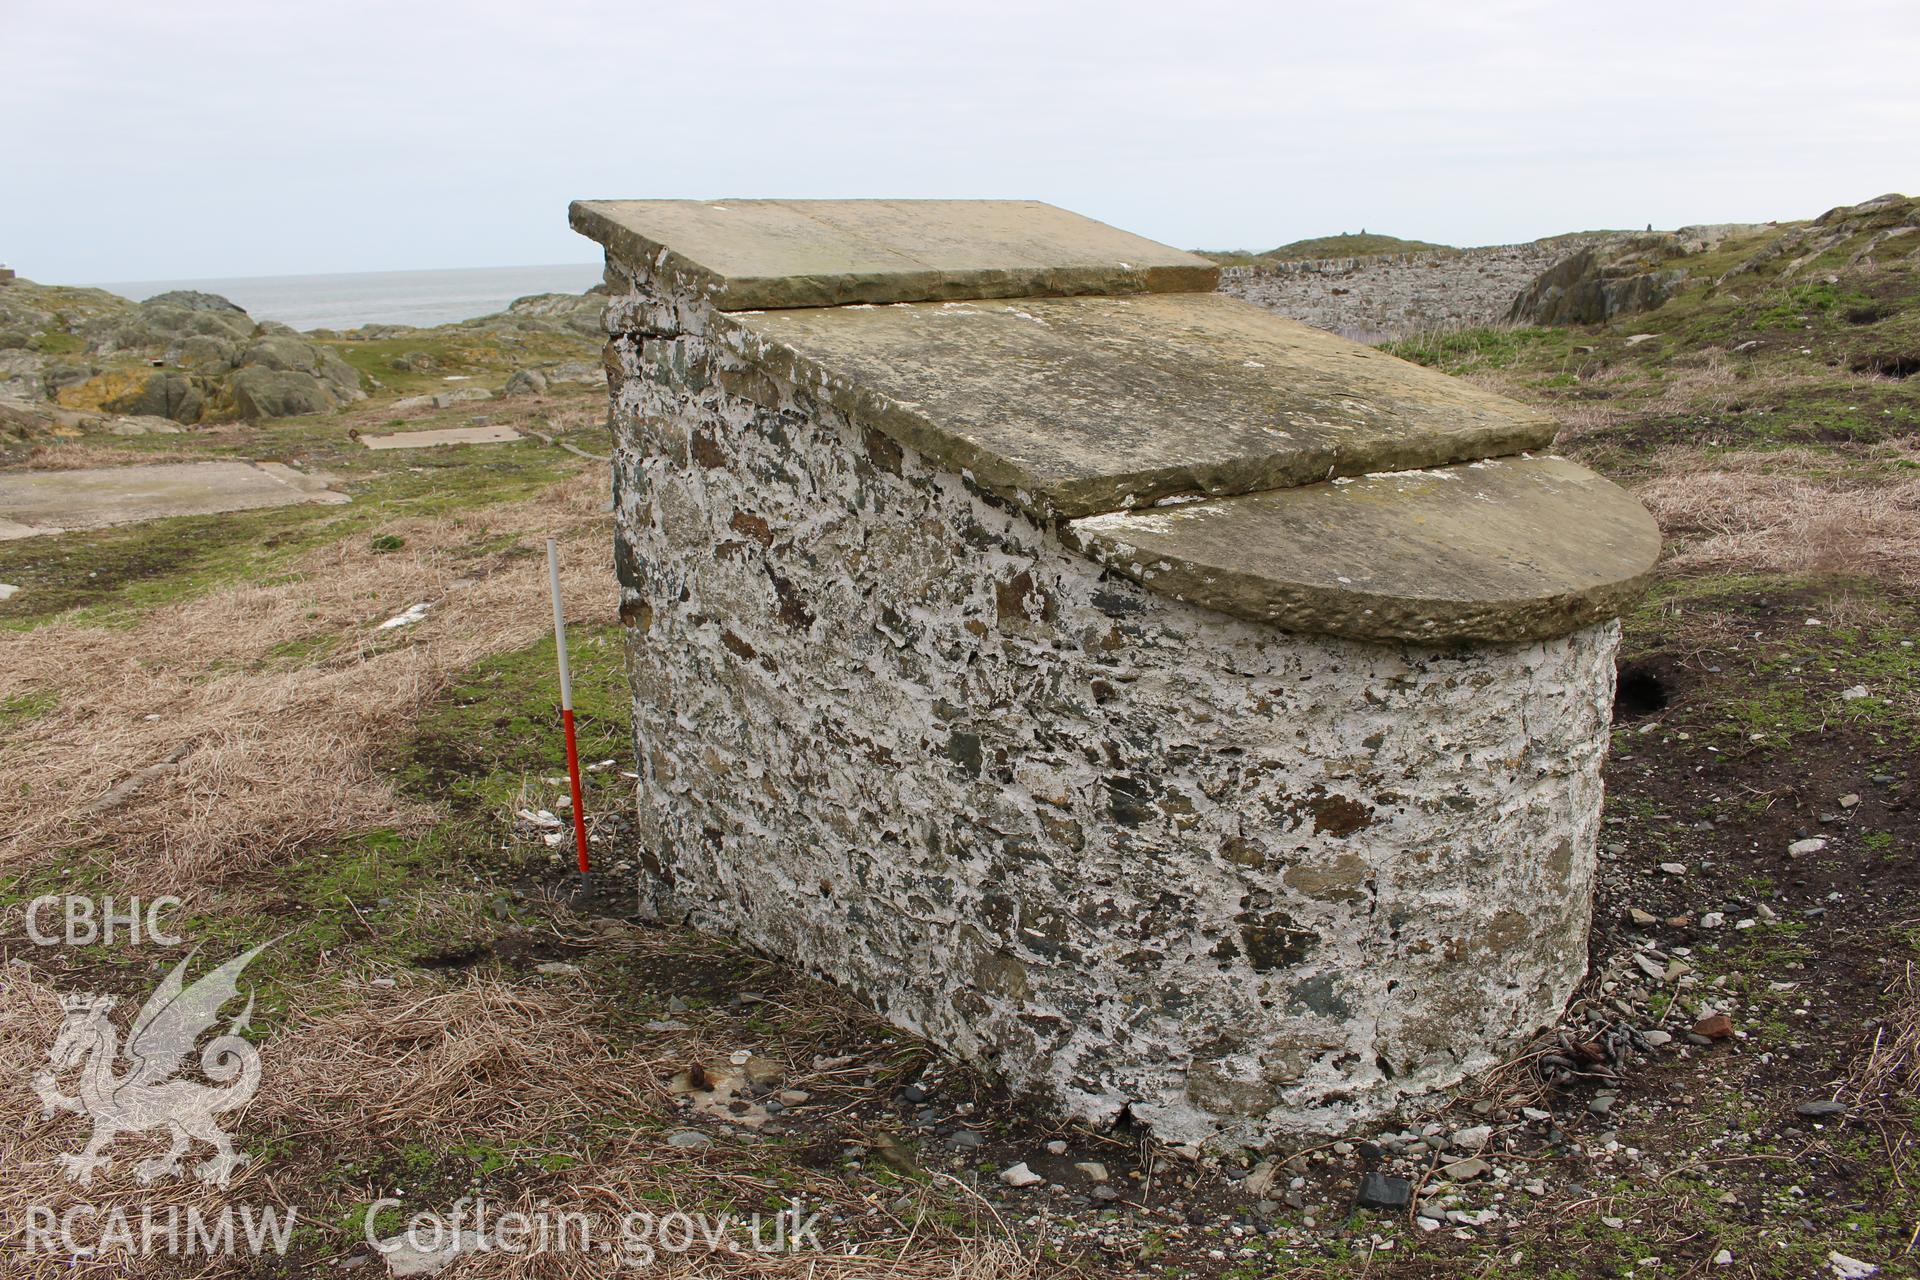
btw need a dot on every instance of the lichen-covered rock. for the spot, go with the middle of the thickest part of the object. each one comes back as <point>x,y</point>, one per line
<point>415,362</point>
<point>570,312</point>
<point>162,395</point>
<point>194,300</point>
<point>20,421</point>
<point>1883,229</point>
<point>263,392</point>
<point>526,382</point>
<point>204,353</point>
<point>153,324</point>
<point>1598,283</point>
<point>180,355</point>
<point>1625,275</point>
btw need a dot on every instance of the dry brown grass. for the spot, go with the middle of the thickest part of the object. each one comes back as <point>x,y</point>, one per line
<point>1885,1081</point>
<point>62,454</point>
<point>258,750</point>
<point>481,1063</point>
<point>277,757</point>
<point>1887,1075</point>
<point>360,1070</point>
<point>913,1238</point>
<point>1581,421</point>
<point>1776,511</point>
<point>484,1062</point>
<point>249,758</point>
<point>281,757</point>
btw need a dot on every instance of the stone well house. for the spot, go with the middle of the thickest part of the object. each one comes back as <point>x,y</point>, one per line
<point>1180,711</point>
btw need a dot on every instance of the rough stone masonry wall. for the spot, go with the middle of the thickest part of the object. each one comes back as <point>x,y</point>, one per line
<point>1397,295</point>
<point>1124,852</point>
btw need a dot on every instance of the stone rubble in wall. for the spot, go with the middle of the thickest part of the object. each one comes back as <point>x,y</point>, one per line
<point>1390,296</point>
<point>1483,1168</point>
<point>929,559</point>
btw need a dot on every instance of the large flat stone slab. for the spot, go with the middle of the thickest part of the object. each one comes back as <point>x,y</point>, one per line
<point>1072,406</point>
<point>1507,549</point>
<point>39,502</point>
<point>746,254</point>
<point>441,436</point>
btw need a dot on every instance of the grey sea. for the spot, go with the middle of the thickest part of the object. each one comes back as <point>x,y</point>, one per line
<point>352,299</point>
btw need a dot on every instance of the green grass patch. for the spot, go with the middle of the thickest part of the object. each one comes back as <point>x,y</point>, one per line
<point>1802,304</point>
<point>54,343</point>
<point>498,726</point>
<point>18,708</point>
<point>1487,348</point>
<point>111,574</point>
<point>412,364</point>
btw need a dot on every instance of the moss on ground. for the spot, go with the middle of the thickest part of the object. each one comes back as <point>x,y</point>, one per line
<point>18,708</point>
<point>424,361</point>
<point>1485,349</point>
<point>112,573</point>
<point>496,731</point>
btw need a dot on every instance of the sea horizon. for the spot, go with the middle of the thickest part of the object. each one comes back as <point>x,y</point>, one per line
<point>350,299</point>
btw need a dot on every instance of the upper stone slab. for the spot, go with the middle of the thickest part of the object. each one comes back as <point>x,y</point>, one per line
<point>1509,549</point>
<point>1072,406</point>
<point>762,254</point>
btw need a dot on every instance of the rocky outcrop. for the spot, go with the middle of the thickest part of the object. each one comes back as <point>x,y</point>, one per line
<point>575,314</point>
<point>526,382</point>
<point>257,392</point>
<point>572,312</point>
<point>1600,282</point>
<point>538,380</point>
<point>185,356</point>
<point>1633,274</point>
<point>1883,229</point>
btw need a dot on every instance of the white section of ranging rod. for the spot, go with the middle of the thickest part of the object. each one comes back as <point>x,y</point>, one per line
<point>559,626</point>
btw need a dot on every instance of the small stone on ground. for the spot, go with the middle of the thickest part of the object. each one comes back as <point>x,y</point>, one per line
<point>440,436</point>
<point>1380,1191</point>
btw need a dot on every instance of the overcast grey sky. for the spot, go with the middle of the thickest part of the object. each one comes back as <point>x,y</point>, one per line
<point>202,138</point>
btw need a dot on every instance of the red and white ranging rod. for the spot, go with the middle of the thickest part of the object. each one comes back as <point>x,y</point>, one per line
<point>566,707</point>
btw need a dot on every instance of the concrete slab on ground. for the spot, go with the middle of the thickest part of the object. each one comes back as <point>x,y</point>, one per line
<point>37,502</point>
<point>441,435</point>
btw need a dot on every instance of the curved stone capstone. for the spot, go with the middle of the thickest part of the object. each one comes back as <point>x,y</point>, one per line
<point>1505,549</point>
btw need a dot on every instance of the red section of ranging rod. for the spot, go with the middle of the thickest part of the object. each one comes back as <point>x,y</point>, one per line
<point>573,776</point>
<point>566,708</point>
